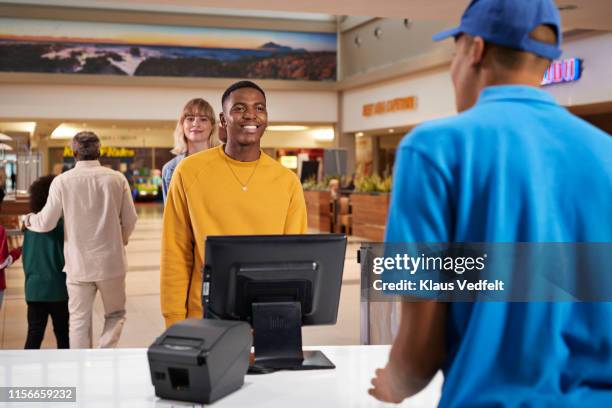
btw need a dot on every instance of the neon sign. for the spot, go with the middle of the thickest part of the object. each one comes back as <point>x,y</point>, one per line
<point>567,70</point>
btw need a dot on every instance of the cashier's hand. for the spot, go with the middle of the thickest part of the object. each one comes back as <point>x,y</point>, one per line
<point>388,386</point>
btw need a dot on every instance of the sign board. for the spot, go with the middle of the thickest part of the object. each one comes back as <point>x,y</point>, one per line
<point>393,105</point>
<point>106,151</point>
<point>567,70</point>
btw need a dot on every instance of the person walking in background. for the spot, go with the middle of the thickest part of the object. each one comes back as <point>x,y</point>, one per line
<point>2,179</point>
<point>513,166</point>
<point>7,257</point>
<point>195,131</point>
<point>233,189</point>
<point>99,217</point>
<point>45,279</point>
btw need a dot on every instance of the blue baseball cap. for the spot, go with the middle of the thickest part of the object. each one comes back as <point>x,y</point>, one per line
<point>509,23</point>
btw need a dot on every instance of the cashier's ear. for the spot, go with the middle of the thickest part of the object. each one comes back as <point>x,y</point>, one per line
<point>222,122</point>
<point>476,50</point>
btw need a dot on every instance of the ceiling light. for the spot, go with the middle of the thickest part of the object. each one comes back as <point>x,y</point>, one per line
<point>5,137</point>
<point>323,134</point>
<point>4,146</point>
<point>64,131</point>
<point>357,41</point>
<point>286,128</point>
<point>378,32</point>
<point>21,127</point>
<point>391,130</point>
<point>359,134</point>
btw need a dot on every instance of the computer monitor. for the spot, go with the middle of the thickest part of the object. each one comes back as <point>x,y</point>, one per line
<point>277,283</point>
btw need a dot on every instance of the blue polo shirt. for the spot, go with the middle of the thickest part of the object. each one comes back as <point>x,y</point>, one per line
<point>516,167</point>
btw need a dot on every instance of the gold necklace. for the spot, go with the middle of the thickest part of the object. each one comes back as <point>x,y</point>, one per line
<point>245,185</point>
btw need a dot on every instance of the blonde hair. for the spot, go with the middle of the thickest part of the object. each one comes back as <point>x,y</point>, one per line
<point>195,107</point>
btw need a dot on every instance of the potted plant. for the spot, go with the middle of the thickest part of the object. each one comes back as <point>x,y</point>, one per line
<point>370,204</point>
<point>318,200</point>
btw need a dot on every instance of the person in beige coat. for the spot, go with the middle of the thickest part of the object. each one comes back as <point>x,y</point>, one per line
<point>99,217</point>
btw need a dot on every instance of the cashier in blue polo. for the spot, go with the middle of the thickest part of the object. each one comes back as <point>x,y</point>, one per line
<point>513,166</point>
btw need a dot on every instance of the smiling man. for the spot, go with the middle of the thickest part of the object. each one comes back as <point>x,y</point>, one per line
<point>232,189</point>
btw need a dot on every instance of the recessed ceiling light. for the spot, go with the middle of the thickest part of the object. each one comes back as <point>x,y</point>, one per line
<point>324,134</point>
<point>27,127</point>
<point>378,32</point>
<point>391,130</point>
<point>286,128</point>
<point>357,41</point>
<point>359,134</point>
<point>64,131</point>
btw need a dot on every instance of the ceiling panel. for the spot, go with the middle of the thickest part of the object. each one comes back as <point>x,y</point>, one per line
<point>586,14</point>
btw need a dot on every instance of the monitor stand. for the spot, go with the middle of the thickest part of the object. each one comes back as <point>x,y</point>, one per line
<point>278,339</point>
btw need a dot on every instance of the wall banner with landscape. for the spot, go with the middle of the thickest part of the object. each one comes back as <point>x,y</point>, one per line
<point>49,46</point>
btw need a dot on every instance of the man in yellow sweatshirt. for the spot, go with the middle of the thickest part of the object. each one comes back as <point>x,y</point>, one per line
<point>233,189</point>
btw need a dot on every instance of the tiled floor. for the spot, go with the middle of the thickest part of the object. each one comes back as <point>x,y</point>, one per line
<point>144,321</point>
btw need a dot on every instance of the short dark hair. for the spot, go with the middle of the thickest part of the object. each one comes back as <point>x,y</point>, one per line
<point>39,191</point>
<point>239,85</point>
<point>86,146</point>
<point>2,193</point>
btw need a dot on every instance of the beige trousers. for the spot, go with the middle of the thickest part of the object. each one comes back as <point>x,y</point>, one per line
<point>81,296</point>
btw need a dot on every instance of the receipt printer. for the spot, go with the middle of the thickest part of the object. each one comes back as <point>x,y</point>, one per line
<point>200,360</point>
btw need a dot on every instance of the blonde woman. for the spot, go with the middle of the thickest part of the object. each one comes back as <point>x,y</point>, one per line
<point>195,131</point>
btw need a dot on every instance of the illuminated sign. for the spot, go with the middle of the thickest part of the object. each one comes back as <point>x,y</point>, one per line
<point>106,151</point>
<point>567,70</point>
<point>393,105</point>
<point>290,162</point>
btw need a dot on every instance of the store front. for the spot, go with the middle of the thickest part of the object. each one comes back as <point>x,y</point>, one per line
<point>139,150</point>
<point>579,81</point>
<point>379,116</point>
<point>136,118</point>
<point>141,166</point>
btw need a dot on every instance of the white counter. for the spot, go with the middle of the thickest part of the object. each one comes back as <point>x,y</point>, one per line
<point>120,378</point>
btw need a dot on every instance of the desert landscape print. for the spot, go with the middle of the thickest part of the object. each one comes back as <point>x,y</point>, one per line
<point>47,46</point>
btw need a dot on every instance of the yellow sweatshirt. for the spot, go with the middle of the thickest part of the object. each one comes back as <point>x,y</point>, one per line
<point>206,197</point>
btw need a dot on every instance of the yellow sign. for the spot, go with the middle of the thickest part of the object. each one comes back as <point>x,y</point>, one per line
<point>393,105</point>
<point>106,151</point>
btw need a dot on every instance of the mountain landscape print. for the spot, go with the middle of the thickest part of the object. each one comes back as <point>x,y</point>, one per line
<point>46,46</point>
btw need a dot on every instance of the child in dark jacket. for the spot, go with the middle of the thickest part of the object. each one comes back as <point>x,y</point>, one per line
<point>45,281</point>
